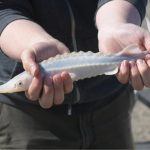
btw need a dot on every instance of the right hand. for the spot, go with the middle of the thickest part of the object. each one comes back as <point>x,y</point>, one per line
<point>48,90</point>
<point>115,38</point>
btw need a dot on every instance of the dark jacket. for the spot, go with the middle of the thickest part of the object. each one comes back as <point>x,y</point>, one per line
<point>57,17</point>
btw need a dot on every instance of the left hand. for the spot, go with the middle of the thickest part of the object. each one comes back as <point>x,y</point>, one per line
<point>115,38</point>
<point>47,90</point>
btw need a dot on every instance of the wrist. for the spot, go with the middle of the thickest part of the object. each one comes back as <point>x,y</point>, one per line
<point>117,12</point>
<point>25,34</point>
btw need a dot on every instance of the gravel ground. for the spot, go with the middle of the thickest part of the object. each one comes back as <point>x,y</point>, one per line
<point>141,122</point>
<point>141,113</point>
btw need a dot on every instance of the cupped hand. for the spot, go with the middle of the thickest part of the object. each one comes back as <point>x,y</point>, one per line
<point>114,39</point>
<point>48,90</point>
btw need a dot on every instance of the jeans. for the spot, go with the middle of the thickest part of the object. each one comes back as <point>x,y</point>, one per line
<point>35,128</point>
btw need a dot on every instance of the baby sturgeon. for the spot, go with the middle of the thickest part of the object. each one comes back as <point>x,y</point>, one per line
<point>79,65</point>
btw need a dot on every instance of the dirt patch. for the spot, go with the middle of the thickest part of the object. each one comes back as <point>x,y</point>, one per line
<point>141,122</point>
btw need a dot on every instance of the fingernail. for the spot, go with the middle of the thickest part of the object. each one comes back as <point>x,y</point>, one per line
<point>148,61</point>
<point>32,70</point>
<point>147,56</point>
<point>125,63</point>
<point>140,61</point>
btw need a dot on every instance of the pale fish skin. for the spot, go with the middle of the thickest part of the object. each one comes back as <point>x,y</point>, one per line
<point>79,65</point>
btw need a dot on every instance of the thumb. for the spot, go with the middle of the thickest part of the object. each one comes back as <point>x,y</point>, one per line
<point>28,59</point>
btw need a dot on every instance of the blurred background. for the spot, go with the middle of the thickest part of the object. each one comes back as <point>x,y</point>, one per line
<point>141,112</point>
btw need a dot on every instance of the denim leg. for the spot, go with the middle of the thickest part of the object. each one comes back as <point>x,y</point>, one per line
<point>112,124</point>
<point>38,129</point>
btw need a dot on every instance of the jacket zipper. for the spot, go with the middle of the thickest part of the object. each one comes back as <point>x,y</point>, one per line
<point>74,43</point>
<point>73,26</point>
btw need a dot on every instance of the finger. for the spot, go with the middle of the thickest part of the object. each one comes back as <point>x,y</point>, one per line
<point>46,99</point>
<point>67,82</point>
<point>136,80</point>
<point>35,88</point>
<point>147,40</point>
<point>123,74</point>
<point>147,58</point>
<point>29,62</point>
<point>144,71</point>
<point>62,48</point>
<point>58,89</point>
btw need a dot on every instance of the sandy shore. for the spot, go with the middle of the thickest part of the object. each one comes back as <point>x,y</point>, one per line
<point>141,114</point>
<point>141,122</point>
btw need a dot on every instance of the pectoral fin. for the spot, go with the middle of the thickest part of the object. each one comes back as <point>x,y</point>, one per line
<point>112,72</point>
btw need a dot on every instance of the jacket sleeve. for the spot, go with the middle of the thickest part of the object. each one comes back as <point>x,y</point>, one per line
<point>11,10</point>
<point>139,4</point>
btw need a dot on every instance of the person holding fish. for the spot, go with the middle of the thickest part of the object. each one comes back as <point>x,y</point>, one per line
<point>54,111</point>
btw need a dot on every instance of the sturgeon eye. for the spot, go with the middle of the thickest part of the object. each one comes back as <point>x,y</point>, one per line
<point>19,83</point>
